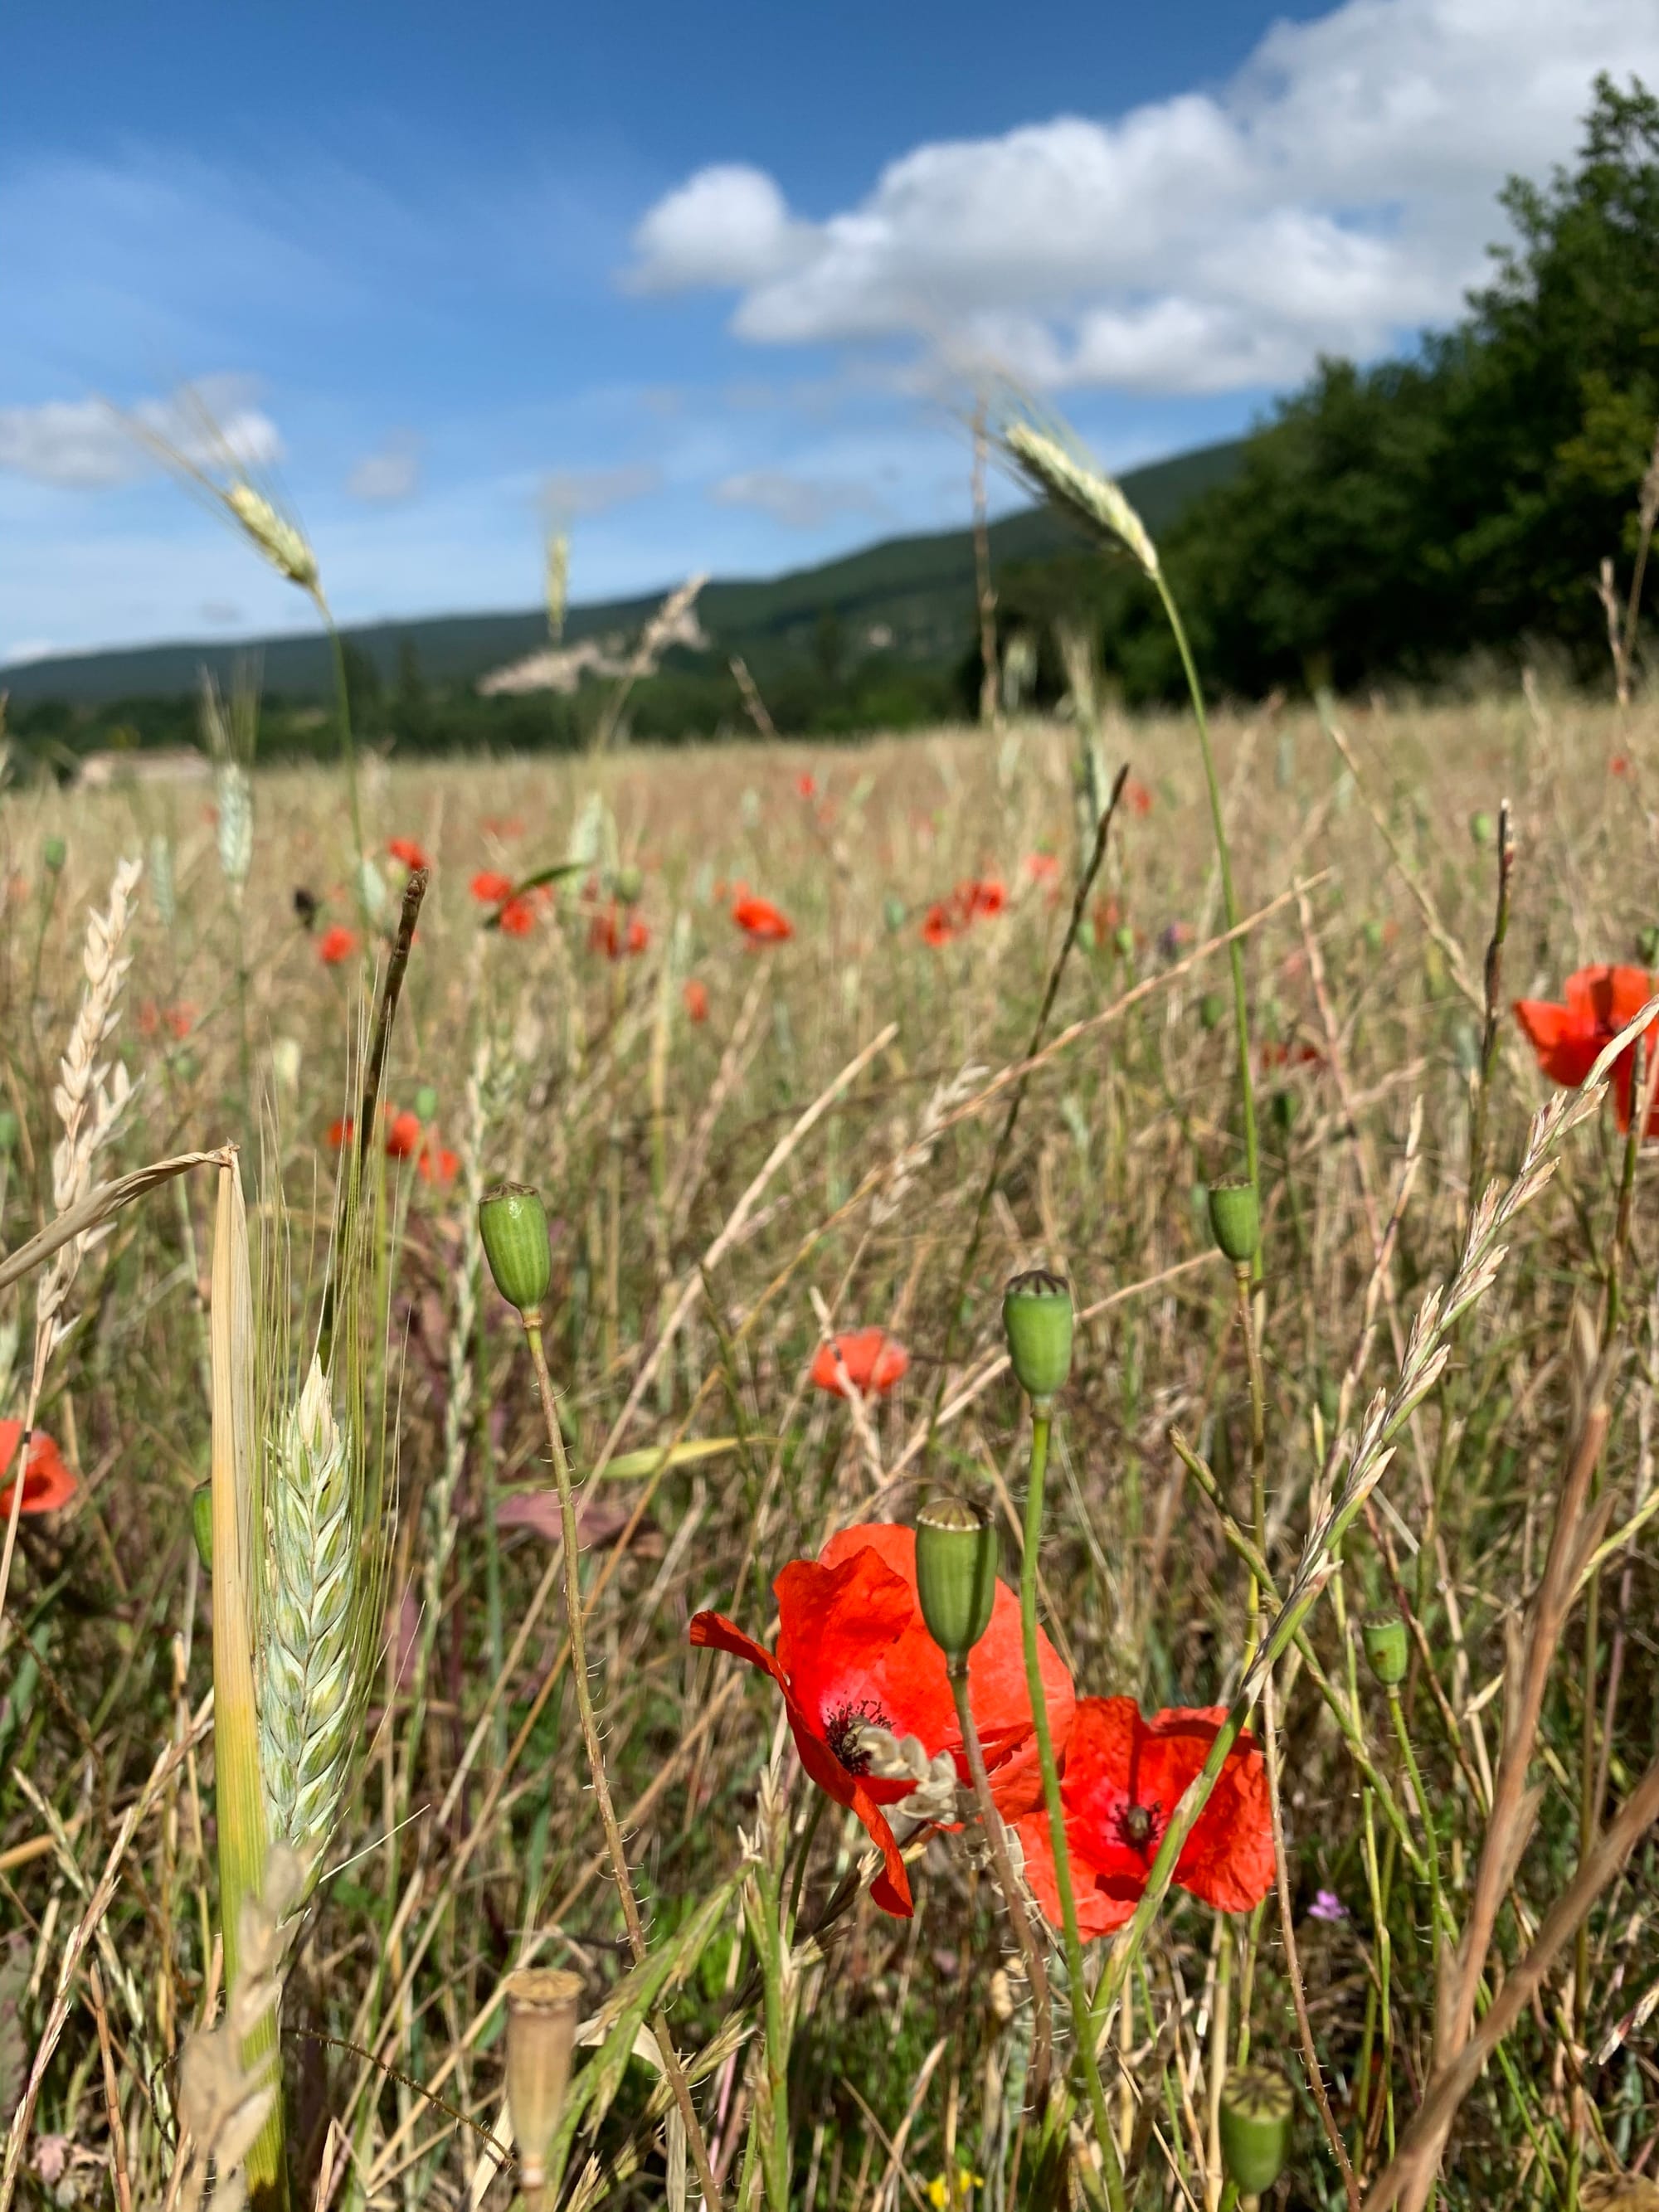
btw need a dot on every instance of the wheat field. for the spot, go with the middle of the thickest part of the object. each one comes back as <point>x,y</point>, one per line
<point>747,1146</point>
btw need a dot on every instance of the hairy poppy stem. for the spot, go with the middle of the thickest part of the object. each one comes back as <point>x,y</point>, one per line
<point>1083,2016</point>
<point>1036,1973</point>
<point>613,1837</point>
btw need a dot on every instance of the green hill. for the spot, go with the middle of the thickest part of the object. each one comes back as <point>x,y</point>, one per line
<point>911,597</point>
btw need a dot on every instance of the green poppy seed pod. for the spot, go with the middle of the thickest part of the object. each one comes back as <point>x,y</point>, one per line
<point>1372,933</point>
<point>1647,946</point>
<point>426,1102</point>
<point>956,1573</point>
<point>10,1130</point>
<point>1036,1316</point>
<point>893,912</point>
<point>1236,1219</point>
<point>1211,1008</point>
<point>1480,827</point>
<point>629,883</point>
<point>201,1523</point>
<point>54,852</point>
<point>1384,1639</point>
<point>1123,941</point>
<point>513,1223</point>
<point>1255,2128</point>
<point>542,2007</point>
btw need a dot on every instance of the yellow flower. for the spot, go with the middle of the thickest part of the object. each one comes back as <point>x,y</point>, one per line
<point>940,2195</point>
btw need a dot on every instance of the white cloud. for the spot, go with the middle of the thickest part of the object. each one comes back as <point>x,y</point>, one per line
<point>27,648</point>
<point>384,479</point>
<point>89,445</point>
<point>798,502</point>
<point>568,493</point>
<point>1337,193</point>
<point>726,225</point>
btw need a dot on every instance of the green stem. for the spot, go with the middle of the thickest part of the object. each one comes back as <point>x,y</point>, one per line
<point>1431,1840</point>
<point>1228,898</point>
<point>1083,2014</point>
<point>775,2141</point>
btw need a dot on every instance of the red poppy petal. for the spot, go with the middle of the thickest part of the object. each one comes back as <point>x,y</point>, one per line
<point>1566,1040</point>
<point>1228,1859</point>
<point>892,1886</point>
<point>1104,1903</point>
<point>712,1631</point>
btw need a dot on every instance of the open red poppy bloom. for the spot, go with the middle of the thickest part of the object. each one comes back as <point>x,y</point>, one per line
<point>340,1133</point>
<point>939,925</point>
<point>489,887</point>
<point>517,918</point>
<point>1124,1777</point>
<point>1139,799</point>
<point>337,943</point>
<point>697,999</point>
<point>867,1359</point>
<point>853,1652</point>
<point>1568,1039</point>
<point>438,1163</point>
<point>402,1136</point>
<point>408,852</point>
<point>807,784</point>
<point>761,923</point>
<point>47,1483</point>
<point>981,900</point>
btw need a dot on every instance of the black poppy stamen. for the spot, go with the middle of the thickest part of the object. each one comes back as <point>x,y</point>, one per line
<point>1139,1826</point>
<point>841,1729</point>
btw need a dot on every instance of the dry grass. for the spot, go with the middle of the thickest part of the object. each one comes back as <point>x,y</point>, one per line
<point>721,1194</point>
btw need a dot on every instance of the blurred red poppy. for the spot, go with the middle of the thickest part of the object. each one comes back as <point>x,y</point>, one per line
<point>868,1358</point>
<point>1274,1054</point>
<point>47,1483</point>
<point>340,1133</point>
<point>807,784</point>
<point>761,923</point>
<point>1618,765</point>
<point>697,999</point>
<point>981,900</point>
<point>438,1163</point>
<point>606,935</point>
<point>179,1019</point>
<point>402,1136</point>
<point>1139,798</point>
<point>854,1653</point>
<point>1042,867</point>
<point>938,927</point>
<point>517,918</point>
<point>337,943</point>
<point>1569,1039</point>
<point>489,887</point>
<point>405,850</point>
<point>1124,1777</point>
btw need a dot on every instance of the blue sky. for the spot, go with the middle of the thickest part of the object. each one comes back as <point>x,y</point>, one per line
<point>712,284</point>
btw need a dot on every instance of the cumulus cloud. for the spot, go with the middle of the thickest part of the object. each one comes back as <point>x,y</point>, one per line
<point>568,493</point>
<point>798,502</point>
<point>89,445</point>
<point>1337,193</point>
<point>384,479</point>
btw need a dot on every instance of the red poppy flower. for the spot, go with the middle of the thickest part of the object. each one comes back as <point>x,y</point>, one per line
<point>939,927</point>
<point>1273,1053</point>
<point>438,1163</point>
<point>1124,1777</point>
<point>981,900</point>
<point>1568,1039</point>
<point>868,1358</point>
<point>47,1483</point>
<point>1042,867</point>
<point>340,1132</point>
<point>807,784</point>
<point>761,923</point>
<point>697,1000</point>
<point>517,918</point>
<point>405,850</point>
<point>490,887</point>
<point>607,935</point>
<point>1139,799</point>
<point>337,943</point>
<point>853,1652</point>
<point>504,826</point>
<point>402,1136</point>
<point>1618,765</point>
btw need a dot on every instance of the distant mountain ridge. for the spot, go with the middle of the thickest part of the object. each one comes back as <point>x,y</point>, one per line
<point>913,594</point>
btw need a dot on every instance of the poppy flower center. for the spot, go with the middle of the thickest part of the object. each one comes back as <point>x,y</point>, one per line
<point>1139,1826</point>
<point>841,1729</point>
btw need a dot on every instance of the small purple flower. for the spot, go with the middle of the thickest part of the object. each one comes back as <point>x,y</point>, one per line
<point>1328,1905</point>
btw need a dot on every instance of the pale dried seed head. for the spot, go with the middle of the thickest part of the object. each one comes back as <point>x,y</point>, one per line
<point>1085,492</point>
<point>279,541</point>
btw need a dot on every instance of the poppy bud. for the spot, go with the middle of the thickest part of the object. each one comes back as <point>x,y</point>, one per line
<point>956,1574</point>
<point>894,911</point>
<point>1255,2128</point>
<point>1036,1316</point>
<point>201,1523</point>
<point>10,1132</point>
<point>513,1223</point>
<point>54,852</point>
<point>1236,1219</point>
<point>1480,827</point>
<point>541,2027</point>
<point>426,1101</point>
<point>629,883</point>
<point>1384,1639</point>
<point>1123,941</point>
<point>1210,1007</point>
<point>1372,933</point>
<point>1647,946</point>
